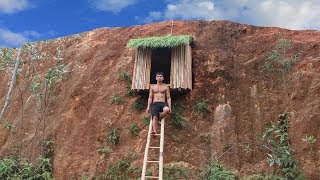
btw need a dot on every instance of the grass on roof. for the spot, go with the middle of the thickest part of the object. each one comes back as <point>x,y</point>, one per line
<point>159,42</point>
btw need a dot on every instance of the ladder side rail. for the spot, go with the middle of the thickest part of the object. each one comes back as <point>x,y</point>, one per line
<point>161,150</point>
<point>146,152</point>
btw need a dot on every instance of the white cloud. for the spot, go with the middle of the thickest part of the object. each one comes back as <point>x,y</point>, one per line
<point>12,6</point>
<point>12,39</point>
<point>114,6</point>
<point>292,14</point>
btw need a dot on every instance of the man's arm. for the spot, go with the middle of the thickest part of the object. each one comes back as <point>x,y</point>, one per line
<point>168,97</point>
<point>149,100</point>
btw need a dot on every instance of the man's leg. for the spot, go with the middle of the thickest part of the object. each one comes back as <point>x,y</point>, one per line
<point>154,124</point>
<point>165,112</point>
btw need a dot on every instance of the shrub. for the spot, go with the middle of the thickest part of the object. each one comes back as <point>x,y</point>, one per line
<point>116,99</point>
<point>175,172</point>
<point>201,107</point>
<point>105,150</point>
<point>176,118</point>
<point>113,136</point>
<point>215,171</point>
<point>129,91</point>
<point>133,129</point>
<point>138,104</point>
<point>146,121</point>
<point>277,141</point>
<point>123,75</point>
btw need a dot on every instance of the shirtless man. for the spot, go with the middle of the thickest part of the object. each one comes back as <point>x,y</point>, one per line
<point>157,101</point>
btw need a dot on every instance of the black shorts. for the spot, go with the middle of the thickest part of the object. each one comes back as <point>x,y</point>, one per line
<point>157,108</point>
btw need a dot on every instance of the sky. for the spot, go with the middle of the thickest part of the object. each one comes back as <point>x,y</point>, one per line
<point>23,21</point>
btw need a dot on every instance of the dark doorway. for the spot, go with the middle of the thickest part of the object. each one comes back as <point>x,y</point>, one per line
<point>160,62</point>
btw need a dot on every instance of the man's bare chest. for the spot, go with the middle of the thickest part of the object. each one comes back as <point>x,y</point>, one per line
<point>159,89</point>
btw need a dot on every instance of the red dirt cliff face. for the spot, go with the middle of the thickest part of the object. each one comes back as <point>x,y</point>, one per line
<point>227,61</point>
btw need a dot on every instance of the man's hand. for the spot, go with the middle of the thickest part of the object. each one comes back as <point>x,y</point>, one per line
<point>148,111</point>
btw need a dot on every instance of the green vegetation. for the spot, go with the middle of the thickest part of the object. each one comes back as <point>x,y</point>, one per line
<point>277,141</point>
<point>278,61</point>
<point>11,168</point>
<point>7,58</point>
<point>310,139</point>
<point>146,121</point>
<point>122,169</point>
<point>175,172</point>
<point>123,75</point>
<point>158,42</point>
<point>176,118</point>
<point>215,171</point>
<point>116,99</point>
<point>201,108</point>
<point>129,91</point>
<point>133,129</point>
<point>105,150</point>
<point>55,74</point>
<point>262,177</point>
<point>138,104</point>
<point>8,126</point>
<point>113,136</point>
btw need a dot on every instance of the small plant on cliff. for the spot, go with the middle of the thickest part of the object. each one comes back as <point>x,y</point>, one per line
<point>113,136</point>
<point>133,129</point>
<point>278,61</point>
<point>105,150</point>
<point>215,171</point>
<point>146,121</point>
<point>175,172</point>
<point>201,107</point>
<point>11,168</point>
<point>123,75</point>
<point>262,177</point>
<point>310,140</point>
<point>116,99</point>
<point>277,141</point>
<point>129,91</point>
<point>176,118</point>
<point>138,104</point>
<point>8,126</point>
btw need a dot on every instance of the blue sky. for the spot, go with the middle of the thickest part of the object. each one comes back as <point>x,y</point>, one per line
<point>23,21</point>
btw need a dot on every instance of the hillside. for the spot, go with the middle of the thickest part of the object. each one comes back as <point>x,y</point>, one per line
<point>227,61</point>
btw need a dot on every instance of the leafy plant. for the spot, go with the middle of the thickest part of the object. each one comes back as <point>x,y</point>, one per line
<point>262,177</point>
<point>277,141</point>
<point>8,126</point>
<point>175,172</point>
<point>113,136</point>
<point>116,99</point>
<point>176,118</point>
<point>55,74</point>
<point>138,104</point>
<point>310,139</point>
<point>129,91</point>
<point>105,150</point>
<point>277,60</point>
<point>201,107</point>
<point>133,129</point>
<point>11,168</point>
<point>214,171</point>
<point>123,75</point>
<point>146,121</point>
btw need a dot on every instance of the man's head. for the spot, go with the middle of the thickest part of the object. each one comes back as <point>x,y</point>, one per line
<point>159,77</point>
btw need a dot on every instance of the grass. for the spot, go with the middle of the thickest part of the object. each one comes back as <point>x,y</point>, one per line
<point>133,129</point>
<point>176,118</point>
<point>116,99</point>
<point>158,42</point>
<point>175,172</point>
<point>201,108</point>
<point>138,104</point>
<point>113,136</point>
<point>215,171</point>
<point>146,121</point>
<point>105,150</point>
<point>124,75</point>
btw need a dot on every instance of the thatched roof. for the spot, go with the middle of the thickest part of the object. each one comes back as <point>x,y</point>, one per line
<point>159,42</point>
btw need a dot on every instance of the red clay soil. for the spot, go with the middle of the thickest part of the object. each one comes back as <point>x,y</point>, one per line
<point>227,61</point>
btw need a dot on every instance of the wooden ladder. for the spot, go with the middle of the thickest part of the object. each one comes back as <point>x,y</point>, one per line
<point>160,161</point>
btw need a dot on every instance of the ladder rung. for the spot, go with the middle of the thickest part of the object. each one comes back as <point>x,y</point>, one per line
<point>156,134</point>
<point>152,177</point>
<point>153,147</point>
<point>153,161</point>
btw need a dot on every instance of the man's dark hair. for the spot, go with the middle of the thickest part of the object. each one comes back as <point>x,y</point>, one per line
<point>159,73</point>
